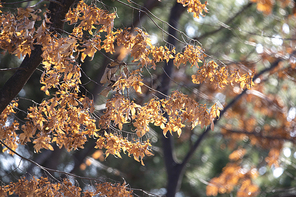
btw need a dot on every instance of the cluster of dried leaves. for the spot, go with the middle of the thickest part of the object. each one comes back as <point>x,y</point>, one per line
<point>43,187</point>
<point>234,175</point>
<point>66,118</point>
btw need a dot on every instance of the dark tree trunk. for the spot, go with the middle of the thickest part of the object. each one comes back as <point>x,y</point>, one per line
<point>173,169</point>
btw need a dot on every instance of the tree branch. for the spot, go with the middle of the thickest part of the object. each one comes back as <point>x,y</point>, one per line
<point>16,82</point>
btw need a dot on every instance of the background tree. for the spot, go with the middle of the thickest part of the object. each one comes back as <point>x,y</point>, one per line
<point>158,81</point>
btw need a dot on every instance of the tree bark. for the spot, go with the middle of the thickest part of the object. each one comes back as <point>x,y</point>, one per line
<point>174,172</point>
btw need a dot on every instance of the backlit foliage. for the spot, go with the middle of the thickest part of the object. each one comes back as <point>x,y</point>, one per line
<point>194,6</point>
<point>115,144</point>
<point>266,6</point>
<point>8,128</point>
<point>234,175</point>
<point>178,106</point>
<point>43,187</point>
<point>269,137</point>
<point>221,76</point>
<point>68,119</point>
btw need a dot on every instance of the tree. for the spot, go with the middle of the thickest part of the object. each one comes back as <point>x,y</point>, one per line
<point>142,81</point>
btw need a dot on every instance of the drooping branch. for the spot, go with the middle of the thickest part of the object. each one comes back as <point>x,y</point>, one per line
<point>16,82</point>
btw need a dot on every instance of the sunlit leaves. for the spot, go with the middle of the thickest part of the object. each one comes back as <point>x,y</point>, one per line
<point>43,187</point>
<point>114,144</point>
<point>162,53</point>
<point>64,119</point>
<point>260,134</point>
<point>220,76</point>
<point>109,189</point>
<point>8,127</point>
<point>89,16</point>
<point>18,32</point>
<point>273,157</point>
<point>133,80</point>
<point>233,176</point>
<point>179,107</point>
<point>42,141</point>
<point>237,154</point>
<point>192,55</point>
<point>28,132</point>
<point>264,6</point>
<point>108,43</point>
<point>194,6</point>
<point>90,47</point>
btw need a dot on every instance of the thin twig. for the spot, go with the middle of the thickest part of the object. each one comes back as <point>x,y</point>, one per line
<point>37,164</point>
<point>11,3</point>
<point>48,169</point>
<point>199,93</point>
<point>37,4</point>
<point>152,89</point>
<point>149,12</point>
<point>147,193</point>
<point>11,69</point>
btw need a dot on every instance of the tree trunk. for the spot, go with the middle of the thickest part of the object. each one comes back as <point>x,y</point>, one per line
<point>173,169</point>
